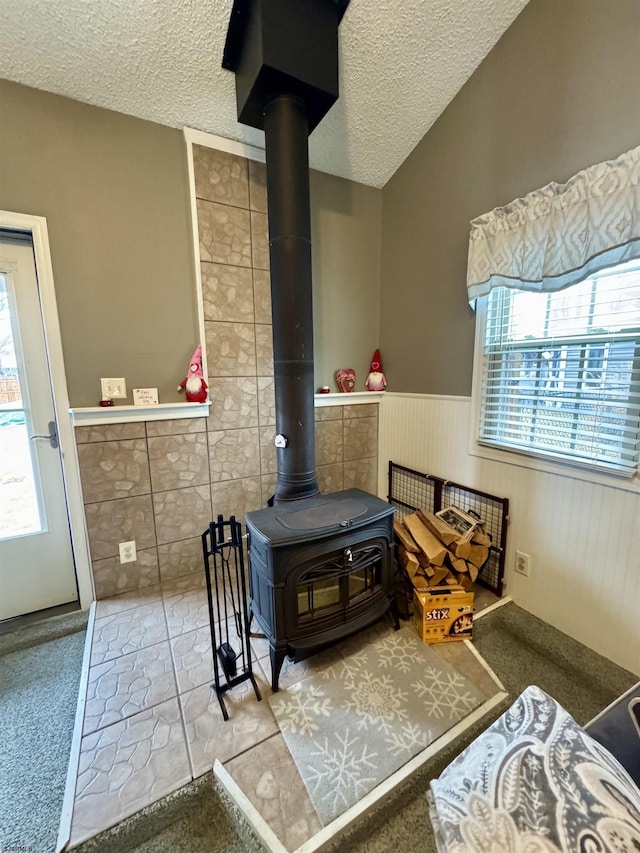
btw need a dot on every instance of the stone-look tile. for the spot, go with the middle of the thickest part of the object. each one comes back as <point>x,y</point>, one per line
<point>109,432</point>
<point>362,474</point>
<point>360,438</point>
<point>225,234</point>
<point>267,488</point>
<point>262,296</point>
<point>180,558</point>
<point>185,583</point>
<point>257,186</point>
<point>227,293</point>
<point>266,401</point>
<point>234,402</point>
<point>128,600</point>
<point>192,659</point>
<point>259,645</point>
<point>186,612</point>
<point>329,413</point>
<point>220,176</point>
<point>192,654</point>
<point>259,240</point>
<point>268,776</point>
<point>178,426</point>
<point>483,598</point>
<point>361,410</point>
<point>181,513</point>
<point>114,469</point>
<point>178,460</point>
<point>236,497</point>
<point>111,577</point>
<point>234,454</point>
<point>293,672</point>
<point>231,348</point>
<point>126,685</point>
<point>128,631</point>
<point>268,452</point>
<point>330,478</point>
<point>128,765</point>
<point>264,350</point>
<point>210,737</point>
<point>329,442</point>
<point>111,522</point>
<point>463,660</point>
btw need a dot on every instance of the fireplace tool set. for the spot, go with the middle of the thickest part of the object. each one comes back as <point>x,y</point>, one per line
<point>227,599</point>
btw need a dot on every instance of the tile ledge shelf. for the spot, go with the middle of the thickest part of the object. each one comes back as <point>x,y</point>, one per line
<point>99,415</point>
<point>348,398</point>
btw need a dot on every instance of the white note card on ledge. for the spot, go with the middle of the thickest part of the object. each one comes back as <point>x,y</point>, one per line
<point>145,396</point>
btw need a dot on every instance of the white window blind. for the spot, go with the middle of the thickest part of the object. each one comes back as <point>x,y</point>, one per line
<point>561,371</point>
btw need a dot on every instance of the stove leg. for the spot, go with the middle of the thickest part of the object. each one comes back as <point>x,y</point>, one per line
<point>277,659</point>
<point>393,609</point>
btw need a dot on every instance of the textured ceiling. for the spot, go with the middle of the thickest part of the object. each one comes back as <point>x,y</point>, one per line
<point>402,61</point>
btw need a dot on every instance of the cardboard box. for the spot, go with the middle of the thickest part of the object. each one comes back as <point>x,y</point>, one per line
<point>443,614</point>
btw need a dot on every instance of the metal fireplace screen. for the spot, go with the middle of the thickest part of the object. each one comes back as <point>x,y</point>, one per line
<point>410,490</point>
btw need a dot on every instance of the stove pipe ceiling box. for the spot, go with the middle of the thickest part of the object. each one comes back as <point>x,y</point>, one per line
<point>284,46</point>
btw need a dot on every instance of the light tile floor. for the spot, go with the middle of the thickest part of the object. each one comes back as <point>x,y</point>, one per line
<point>152,722</point>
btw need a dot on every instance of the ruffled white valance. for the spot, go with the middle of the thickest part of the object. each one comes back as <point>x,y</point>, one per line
<point>558,235</point>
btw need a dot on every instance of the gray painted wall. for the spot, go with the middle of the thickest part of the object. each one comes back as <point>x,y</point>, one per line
<point>345,234</point>
<point>557,93</point>
<point>114,190</point>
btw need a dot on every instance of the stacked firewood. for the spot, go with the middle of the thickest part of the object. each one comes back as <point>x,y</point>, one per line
<point>434,554</point>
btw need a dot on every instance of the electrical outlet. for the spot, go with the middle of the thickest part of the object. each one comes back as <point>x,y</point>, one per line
<point>523,563</point>
<point>127,551</point>
<point>113,388</point>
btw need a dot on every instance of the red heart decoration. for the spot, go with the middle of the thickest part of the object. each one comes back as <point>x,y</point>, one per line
<point>346,379</point>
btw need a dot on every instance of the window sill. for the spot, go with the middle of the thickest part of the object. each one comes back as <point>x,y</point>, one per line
<point>587,474</point>
<point>98,415</point>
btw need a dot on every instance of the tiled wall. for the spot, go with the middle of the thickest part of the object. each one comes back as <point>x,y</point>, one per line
<point>234,264</point>
<point>149,482</point>
<point>161,482</point>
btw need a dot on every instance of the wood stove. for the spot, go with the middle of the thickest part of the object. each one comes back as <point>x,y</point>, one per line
<point>320,565</point>
<point>320,569</point>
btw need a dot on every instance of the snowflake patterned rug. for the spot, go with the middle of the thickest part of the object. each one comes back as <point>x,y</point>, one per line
<point>353,724</point>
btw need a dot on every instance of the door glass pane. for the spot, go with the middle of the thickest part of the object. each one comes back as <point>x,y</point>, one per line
<point>18,494</point>
<point>318,595</point>
<point>362,580</point>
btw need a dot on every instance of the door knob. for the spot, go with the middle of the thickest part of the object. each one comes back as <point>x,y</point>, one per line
<point>52,437</point>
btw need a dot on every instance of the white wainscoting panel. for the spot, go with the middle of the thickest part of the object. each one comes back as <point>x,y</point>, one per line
<point>583,538</point>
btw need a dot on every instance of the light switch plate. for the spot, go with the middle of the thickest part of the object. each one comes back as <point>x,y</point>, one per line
<point>113,388</point>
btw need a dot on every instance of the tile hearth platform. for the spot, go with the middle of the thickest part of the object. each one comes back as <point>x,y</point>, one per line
<point>151,722</point>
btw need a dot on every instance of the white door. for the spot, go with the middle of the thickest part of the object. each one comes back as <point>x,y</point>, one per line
<point>36,559</point>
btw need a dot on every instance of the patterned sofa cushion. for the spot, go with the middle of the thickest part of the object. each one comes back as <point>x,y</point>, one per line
<point>535,782</point>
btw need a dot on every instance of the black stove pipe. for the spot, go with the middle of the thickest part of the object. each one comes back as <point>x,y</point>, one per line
<point>286,130</point>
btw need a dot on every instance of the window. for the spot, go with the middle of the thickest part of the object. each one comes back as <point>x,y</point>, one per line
<point>561,370</point>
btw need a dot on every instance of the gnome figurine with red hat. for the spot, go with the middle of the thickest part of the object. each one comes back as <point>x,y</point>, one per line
<point>193,384</point>
<point>375,379</point>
